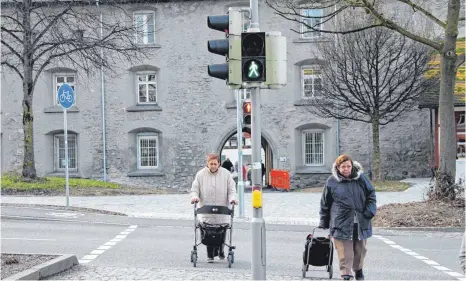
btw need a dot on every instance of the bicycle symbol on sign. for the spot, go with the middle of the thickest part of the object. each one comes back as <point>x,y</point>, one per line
<point>66,95</point>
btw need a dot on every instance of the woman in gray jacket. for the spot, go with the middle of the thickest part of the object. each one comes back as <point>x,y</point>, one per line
<point>348,205</point>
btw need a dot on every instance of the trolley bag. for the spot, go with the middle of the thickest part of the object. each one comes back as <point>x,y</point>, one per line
<point>213,234</point>
<point>318,253</point>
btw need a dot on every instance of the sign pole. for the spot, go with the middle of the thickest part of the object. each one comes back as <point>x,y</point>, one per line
<point>66,98</point>
<point>65,121</point>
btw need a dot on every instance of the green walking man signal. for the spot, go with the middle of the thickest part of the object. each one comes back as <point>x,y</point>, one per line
<point>253,56</point>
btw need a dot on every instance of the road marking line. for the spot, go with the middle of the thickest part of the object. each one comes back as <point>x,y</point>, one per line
<point>95,253</point>
<point>430,262</point>
<point>30,239</point>
<point>422,258</point>
<point>89,257</point>
<point>439,267</point>
<point>455,274</point>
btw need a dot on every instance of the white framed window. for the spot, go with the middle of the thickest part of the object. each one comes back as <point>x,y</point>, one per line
<point>148,151</point>
<point>311,81</point>
<point>460,120</point>
<point>60,79</point>
<point>313,147</point>
<point>146,87</point>
<point>59,152</point>
<point>145,27</point>
<point>315,22</point>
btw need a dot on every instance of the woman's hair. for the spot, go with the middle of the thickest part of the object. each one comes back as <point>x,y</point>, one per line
<point>343,158</point>
<point>213,156</point>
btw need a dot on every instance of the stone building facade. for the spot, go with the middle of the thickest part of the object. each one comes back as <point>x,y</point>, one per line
<point>165,114</point>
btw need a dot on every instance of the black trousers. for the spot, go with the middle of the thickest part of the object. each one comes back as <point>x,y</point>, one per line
<point>213,251</point>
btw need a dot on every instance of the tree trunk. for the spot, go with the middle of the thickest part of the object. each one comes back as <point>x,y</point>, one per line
<point>376,171</point>
<point>29,167</point>
<point>447,141</point>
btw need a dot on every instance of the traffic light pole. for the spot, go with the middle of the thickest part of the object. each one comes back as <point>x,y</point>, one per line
<point>239,139</point>
<point>257,223</point>
<point>258,261</point>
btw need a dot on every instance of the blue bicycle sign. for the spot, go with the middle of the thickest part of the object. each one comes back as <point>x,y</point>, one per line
<point>66,96</point>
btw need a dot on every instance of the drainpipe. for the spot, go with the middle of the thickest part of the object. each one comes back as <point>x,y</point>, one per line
<point>338,120</point>
<point>102,94</point>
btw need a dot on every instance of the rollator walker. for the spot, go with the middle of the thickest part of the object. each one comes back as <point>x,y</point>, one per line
<point>213,235</point>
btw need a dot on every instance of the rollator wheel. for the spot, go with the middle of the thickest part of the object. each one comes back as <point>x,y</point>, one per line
<point>230,259</point>
<point>330,272</point>
<point>194,258</point>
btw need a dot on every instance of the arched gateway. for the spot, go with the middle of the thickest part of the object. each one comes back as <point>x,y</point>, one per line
<point>269,150</point>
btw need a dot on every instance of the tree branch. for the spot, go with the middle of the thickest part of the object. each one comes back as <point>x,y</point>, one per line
<point>425,12</point>
<point>393,26</point>
<point>13,19</point>
<point>11,33</point>
<point>14,68</point>
<point>50,25</point>
<point>12,50</point>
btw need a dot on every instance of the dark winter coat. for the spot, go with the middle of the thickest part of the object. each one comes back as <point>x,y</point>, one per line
<point>342,198</point>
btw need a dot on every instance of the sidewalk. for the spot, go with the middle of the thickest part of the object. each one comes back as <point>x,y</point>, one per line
<point>279,207</point>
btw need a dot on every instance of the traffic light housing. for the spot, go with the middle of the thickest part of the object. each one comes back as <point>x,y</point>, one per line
<point>253,57</point>
<point>247,109</point>
<point>230,47</point>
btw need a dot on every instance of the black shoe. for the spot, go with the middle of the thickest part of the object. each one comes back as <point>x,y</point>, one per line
<point>347,277</point>
<point>359,275</point>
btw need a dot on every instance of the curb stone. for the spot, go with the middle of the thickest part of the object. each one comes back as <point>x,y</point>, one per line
<point>46,269</point>
<point>437,229</point>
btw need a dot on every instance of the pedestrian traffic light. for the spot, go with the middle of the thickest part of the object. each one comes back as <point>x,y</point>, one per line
<point>247,112</point>
<point>253,56</point>
<point>229,47</point>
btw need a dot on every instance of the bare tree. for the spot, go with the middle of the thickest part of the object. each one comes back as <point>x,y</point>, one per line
<point>373,76</point>
<point>379,15</point>
<point>38,34</point>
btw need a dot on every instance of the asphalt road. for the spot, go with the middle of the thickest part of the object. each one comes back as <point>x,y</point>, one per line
<point>136,248</point>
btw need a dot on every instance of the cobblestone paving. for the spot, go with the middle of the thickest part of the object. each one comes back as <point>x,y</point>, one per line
<point>84,272</point>
<point>279,207</point>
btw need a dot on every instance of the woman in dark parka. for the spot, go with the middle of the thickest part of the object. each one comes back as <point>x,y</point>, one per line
<point>347,207</point>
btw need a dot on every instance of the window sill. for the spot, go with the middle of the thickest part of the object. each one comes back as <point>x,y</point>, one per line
<point>155,46</point>
<point>311,40</point>
<point>146,173</point>
<point>231,105</point>
<point>313,170</point>
<point>59,109</point>
<point>302,102</point>
<point>60,174</point>
<point>148,107</point>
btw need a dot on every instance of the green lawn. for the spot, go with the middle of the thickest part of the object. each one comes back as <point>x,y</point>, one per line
<point>380,186</point>
<point>390,186</point>
<point>14,182</point>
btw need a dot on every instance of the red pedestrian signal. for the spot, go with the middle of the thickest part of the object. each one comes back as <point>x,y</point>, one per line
<point>247,109</point>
